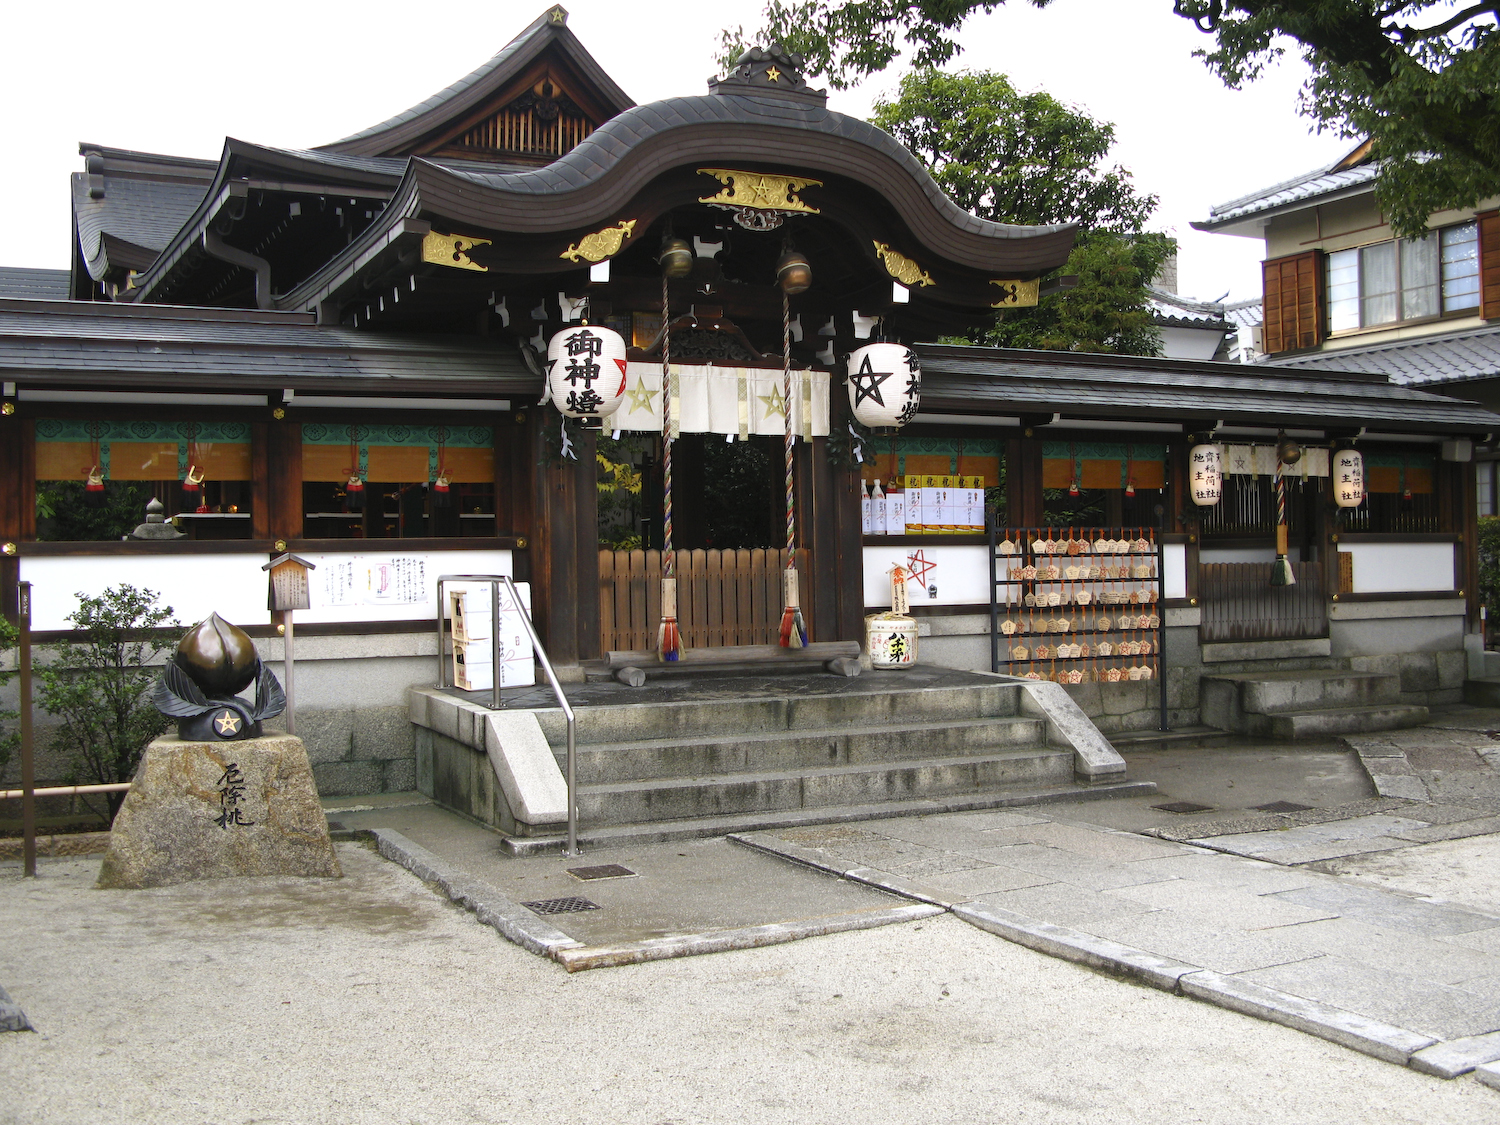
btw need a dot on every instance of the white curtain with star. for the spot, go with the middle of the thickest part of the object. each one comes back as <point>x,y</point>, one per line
<point>733,401</point>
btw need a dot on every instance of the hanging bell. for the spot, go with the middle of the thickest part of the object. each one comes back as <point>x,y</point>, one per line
<point>1288,452</point>
<point>676,258</point>
<point>93,488</point>
<point>354,495</point>
<point>442,496</point>
<point>793,272</point>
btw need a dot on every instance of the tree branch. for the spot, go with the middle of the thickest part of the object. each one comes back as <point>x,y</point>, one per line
<point>1417,34</point>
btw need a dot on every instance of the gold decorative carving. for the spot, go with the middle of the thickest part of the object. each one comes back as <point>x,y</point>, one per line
<point>1015,294</point>
<point>601,244</point>
<point>772,74</point>
<point>902,268</point>
<point>452,250</point>
<point>760,191</point>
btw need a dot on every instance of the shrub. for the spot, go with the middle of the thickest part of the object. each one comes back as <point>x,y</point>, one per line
<point>99,684</point>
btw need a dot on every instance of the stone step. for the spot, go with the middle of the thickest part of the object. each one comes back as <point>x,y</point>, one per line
<point>677,798</point>
<point>1178,738</point>
<point>1326,722</point>
<point>1228,699</point>
<point>592,835</point>
<point>1483,691</point>
<point>600,763</point>
<point>735,714</point>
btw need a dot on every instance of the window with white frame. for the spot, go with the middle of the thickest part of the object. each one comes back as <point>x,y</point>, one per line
<point>1404,279</point>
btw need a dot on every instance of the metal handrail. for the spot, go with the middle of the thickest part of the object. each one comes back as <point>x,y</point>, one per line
<point>493,581</point>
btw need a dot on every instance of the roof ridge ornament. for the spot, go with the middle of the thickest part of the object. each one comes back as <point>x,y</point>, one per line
<point>772,71</point>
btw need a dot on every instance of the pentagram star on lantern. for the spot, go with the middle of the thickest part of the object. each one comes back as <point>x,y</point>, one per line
<point>227,722</point>
<point>867,382</point>
<point>775,402</point>
<point>917,563</point>
<point>640,397</point>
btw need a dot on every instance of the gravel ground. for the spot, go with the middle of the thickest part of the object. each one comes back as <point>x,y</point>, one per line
<point>369,1000</point>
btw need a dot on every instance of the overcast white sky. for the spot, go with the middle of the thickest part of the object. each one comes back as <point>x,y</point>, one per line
<point>177,77</point>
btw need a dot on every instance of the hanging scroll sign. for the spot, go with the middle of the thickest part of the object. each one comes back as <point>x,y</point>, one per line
<point>885,384</point>
<point>586,371</point>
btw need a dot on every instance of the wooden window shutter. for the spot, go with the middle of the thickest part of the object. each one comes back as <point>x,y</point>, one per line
<point>1489,264</point>
<point>1293,302</point>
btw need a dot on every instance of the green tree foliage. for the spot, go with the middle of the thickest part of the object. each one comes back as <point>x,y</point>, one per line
<point>1419,78</point>
<point>1028,158</point>
<point>63,516</point>
<point>98,685</point>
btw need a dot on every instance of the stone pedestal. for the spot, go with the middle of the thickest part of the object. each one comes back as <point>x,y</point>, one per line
<point>213,810</point>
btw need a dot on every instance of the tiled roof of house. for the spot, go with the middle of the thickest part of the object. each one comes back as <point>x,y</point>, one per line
<point>1452,358</point>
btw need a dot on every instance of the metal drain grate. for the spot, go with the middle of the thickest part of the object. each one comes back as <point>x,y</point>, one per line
<point>1183,807</point>
<point>1283,806</point>
<point>603,871</point>
<point>561,906</point>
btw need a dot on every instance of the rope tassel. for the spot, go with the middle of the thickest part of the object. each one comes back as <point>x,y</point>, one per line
<point>1281,569</point>
<point>793,627</point>
<point>668,636</point>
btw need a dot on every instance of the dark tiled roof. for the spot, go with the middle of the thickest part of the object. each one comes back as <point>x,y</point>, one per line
<point>138,213</point>
<point>1004,381</point>
<point>1299,189</point>
<point>1174,311</point>
<point>79,343</point>
<point>1455,357</point>
<point>474,87</point>
<point>42,285</point>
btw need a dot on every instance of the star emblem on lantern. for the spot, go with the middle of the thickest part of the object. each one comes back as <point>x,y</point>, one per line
<point>866,382</point>
<point>227,723</point>
<point>885,384</point>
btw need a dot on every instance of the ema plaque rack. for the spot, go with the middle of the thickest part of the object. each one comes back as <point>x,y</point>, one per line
<point>1076,605</point>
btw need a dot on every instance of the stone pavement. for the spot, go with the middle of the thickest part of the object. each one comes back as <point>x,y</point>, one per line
<point>1412,981</point>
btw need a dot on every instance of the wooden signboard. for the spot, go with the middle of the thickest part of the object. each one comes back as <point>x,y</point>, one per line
<point>289,586</point>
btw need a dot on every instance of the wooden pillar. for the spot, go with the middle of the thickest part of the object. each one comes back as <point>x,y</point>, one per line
<point>279,492</point>
<point>565,546</point>
<point>1023,481</point>
<point>15,434</point>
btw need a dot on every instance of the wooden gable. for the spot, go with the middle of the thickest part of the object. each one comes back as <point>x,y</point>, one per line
<point>539,117</point>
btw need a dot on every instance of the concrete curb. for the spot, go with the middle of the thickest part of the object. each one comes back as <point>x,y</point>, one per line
<point>1360,1033</point>
<point>854,872</point>
<point>1489,1075</point>
<point>1072,945</point>
<point>11,1016</point>
<point>748,937</point>
<point>515,923</point>
<point>1458,1056</point>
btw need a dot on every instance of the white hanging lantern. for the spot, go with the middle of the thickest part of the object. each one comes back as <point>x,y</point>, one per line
<point>1348,478</point>
<point>1206,475</point>
<point>885,384</point>
<point>586,371</point>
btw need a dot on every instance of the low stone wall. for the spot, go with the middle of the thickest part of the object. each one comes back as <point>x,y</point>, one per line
<point>1422,641</point>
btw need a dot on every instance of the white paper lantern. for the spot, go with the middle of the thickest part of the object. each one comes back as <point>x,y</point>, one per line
<point>1206,475</point>
<point>885,384</point>
<point>586,371</point>
<point>1348,478</point>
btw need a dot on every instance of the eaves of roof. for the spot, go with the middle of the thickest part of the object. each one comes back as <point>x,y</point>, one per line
<point>471,90</point>
<point>78,344</point>
<point>1249,214</point>
<point>33,284</point>
<point>1004,381</point>
<point>1453,357</point>
<point>136,216</point>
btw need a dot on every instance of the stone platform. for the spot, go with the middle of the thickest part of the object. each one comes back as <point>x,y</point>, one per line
<point>214,810</point>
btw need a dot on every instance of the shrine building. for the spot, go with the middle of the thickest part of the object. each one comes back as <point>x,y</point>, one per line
<point>342,353</point>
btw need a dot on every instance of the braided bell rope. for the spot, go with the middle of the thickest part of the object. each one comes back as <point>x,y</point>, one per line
<point>667,559</point>
<point>786,390</point>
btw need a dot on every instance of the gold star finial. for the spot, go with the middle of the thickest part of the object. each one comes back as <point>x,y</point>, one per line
<point>772,74</point>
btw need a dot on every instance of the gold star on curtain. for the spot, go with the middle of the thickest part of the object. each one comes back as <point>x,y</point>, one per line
<point>640,397</point>
<point>775,402</point>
